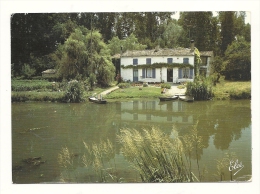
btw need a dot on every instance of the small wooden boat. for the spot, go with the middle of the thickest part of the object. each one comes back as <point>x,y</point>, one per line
<point>168,98</point>
<point>98,101</point>
<point>186,98</point>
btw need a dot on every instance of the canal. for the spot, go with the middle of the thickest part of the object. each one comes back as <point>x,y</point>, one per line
<point>40,131</point>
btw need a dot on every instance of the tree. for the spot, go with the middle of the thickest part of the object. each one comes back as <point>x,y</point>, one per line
<point>130,43</point>
<point>85,54</point>
<point>227,20</point>
<point>198,27</point>
<point>172,32</point>
<point>238,60</point>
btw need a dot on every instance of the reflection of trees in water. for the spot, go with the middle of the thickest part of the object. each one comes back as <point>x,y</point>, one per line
<point>224,120</point>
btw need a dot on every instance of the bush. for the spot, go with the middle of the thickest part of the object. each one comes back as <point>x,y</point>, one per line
<point>200,89</point>
<point>124,85</point>
<point>74,92</point>
<point>166,85</point>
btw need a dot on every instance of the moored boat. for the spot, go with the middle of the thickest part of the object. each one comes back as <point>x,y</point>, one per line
<point>169,98</point>
<point>186,98</point>
<point>98,101</point>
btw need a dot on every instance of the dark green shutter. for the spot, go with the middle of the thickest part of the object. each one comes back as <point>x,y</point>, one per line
<point>191,73</point>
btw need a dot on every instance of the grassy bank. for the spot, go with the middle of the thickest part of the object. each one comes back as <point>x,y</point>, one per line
<point>135,92</point>
<point>37,96</point>
<point>232,90</point>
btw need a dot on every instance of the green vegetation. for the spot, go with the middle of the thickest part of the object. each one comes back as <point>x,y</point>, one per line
<point>166,85</point>
<point>37,96</point>
<point>155,156</point>
<point>30,85</point>
<point>232,90</point>
<point>200,89</point>
<point>135,92</point>
<point>74,92</point>
<point>124,85</point>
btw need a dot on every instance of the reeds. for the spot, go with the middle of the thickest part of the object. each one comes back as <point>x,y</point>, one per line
<point>156,156</point>
<point>200,89</point>
<point>96,156</point>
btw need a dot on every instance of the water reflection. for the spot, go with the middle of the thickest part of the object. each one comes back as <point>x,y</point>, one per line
<point>43,129</point>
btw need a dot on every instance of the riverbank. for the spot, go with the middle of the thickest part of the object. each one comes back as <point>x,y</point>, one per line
<point>38,90</point>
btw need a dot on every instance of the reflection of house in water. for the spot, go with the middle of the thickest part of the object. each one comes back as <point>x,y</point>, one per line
<point>154,112</point>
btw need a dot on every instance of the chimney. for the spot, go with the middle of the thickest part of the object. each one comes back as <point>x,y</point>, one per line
<point>192,45</point>
<point>157,48</point>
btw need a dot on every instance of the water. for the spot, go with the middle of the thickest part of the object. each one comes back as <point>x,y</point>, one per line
<point>43,129</point>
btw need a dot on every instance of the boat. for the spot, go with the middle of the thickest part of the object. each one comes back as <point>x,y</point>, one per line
<point>186,98</point>
<point>168,98</point>
<point>96,100</point>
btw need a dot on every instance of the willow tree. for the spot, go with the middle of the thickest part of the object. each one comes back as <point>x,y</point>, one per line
<point>84,55</point>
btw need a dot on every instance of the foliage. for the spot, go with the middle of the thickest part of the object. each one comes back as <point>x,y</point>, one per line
<point>91,80</point>
<point>29,85</point>
<point>200,89</point>
<point>197,62</point>
<point>158,65</point>
<point>238,60</point>
<point>171,34</point>
<point>166,85</point>
<point>27,71</point>
<point>130,43</point>
<point>217,69</point>
<point>24,96</point>
<point>156,156</point>
<point>74,92</point>
<point>124,85</point>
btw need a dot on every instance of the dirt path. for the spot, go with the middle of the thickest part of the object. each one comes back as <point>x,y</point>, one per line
<point>109,90</point>
<point>176,91</point>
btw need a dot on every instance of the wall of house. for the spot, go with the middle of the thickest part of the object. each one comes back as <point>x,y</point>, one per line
<point>161,73</point>
<point>155,59</point>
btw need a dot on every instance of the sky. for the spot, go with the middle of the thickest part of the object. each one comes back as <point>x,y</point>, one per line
<point>247,19</point>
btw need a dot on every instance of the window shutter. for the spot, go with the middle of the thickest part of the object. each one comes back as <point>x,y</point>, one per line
<point>153,70</point>
<point>180,73</point>
<point>135,61</point>
<point>148,61</point>
<point>191,73</point>
<point>143,73</point>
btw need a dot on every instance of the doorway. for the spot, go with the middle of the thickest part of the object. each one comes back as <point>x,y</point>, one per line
<point>169,75</point>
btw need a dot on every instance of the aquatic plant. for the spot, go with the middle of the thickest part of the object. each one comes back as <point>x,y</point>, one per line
<point>96,156</point>
<point>200,89</point>
<point>156,156</point>
<point>74,92</point>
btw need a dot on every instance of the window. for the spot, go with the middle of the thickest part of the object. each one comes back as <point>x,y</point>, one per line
<point>186,60</point>
<point>148,73</point>
<point>148,61</point>
<point>169,60</point>
<point>203,60</point>
<point>135,61</point>
<point>186,72</point>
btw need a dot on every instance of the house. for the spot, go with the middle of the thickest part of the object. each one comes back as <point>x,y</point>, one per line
<point>162,65</point>
<point>49,73</point>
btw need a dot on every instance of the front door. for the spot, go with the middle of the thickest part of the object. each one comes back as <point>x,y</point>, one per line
<point>135,75</point>
<point>169,75</point>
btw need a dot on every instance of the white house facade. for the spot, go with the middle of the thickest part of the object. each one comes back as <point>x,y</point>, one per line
<point>158,65</point>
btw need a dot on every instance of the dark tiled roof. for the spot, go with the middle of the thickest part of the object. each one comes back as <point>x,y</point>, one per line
<point>159,52</point>
<point>206,53</point>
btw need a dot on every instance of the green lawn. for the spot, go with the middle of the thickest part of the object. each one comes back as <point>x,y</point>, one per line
<point>232,90</point>
<point>135,92</point>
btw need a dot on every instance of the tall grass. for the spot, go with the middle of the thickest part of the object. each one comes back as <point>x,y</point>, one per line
<point>156,156</point>
<point>96,156</point>
<point>200,89</point>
